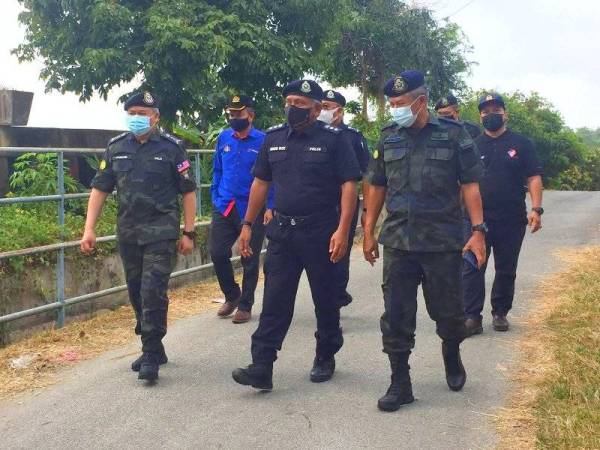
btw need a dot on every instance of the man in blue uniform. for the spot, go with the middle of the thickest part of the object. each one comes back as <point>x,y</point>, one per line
<point>510,164</point>
<point>151,172</point>
<point>308,163</point>
<point>333,114</point>
<point>235,154</point>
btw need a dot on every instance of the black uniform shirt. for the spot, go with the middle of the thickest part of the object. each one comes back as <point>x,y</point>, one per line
<point>306,168</point>
<point>509,160</point>
<point>359,144</point>
<point>149,178</point>
<point>472,129</point>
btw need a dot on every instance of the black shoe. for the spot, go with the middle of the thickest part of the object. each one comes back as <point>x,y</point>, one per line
<point>149,367</point>
<point>345,299</point>
<point>473,327</point>
<point>162,359</point>
<point>500,323</point>
<point>400,391</point>
<point>322,369</point>
<point>258,376</point>
<point>456,376</point>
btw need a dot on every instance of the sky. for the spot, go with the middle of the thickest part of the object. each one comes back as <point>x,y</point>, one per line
<point>548,46</point>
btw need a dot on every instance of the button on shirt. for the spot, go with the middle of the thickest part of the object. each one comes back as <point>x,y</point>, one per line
<point>422,172</point>
<point>306,168</point>
<point>232,170</point>
<point>509,160</point>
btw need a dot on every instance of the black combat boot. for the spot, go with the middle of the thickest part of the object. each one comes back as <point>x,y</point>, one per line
<point>259,376</point>
<point>322,369</point>
<point>149,367</point>
<point>455,371</point>
<point>161,355</point>
<point>400,391</point>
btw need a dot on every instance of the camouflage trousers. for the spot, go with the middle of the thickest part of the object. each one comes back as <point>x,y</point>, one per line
<point>439,273</point>
<point>147,272</point>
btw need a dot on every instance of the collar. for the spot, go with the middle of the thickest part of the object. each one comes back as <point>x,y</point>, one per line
<point>504,135</point>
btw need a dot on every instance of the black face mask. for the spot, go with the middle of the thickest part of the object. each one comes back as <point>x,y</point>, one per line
<point>239,124</point>
<point>297,117</point>
<point>493,122</point>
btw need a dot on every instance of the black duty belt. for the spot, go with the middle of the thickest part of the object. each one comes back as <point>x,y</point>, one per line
<point>293,221</point>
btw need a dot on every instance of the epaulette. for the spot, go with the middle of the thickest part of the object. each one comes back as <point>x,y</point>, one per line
<point>389,125</point>
<point>332,129</point>
<point>118,138</point>
<point>276,127</point>
<point>355,130</point>
<point>171,138</point>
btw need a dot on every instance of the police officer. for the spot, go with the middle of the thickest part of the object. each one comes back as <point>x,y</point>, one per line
<point>235,154</point>
<point>333,114</point>
<point>448,107</point>
<point>150,170</point>
<point>510,163</point>
<point>307,161</point>
<point>421,166</point>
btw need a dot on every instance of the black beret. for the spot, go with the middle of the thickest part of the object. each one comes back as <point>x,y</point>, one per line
<point>491,97</point>
<point>144,98</point>
<point>334,96</point>
<point>448,100</point>
<point>239,102</point>
<point>407,81</point>
<point>305,88</point>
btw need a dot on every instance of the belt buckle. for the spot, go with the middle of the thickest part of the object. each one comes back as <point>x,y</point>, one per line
<point>293,222</point>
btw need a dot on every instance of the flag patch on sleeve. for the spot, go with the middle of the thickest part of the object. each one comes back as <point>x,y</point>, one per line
<point>182,167</point>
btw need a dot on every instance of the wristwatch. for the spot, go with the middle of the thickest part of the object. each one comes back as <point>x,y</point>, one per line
<point>538,210</point>
<point>480,227</point>
<point>247,222</point>
<point>191,234</point>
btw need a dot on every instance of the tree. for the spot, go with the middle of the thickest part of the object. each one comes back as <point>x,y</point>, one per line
<point>192,53</point>
<point>373,39</point>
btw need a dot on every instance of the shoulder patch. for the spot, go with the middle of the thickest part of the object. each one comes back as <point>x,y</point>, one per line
<point>171,138</point>
<point>332,129</point>
<point>281,126</point>
<point>118,138</point>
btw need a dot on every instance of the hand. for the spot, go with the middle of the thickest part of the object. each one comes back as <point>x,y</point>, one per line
<point>185,245</point>
<point>244,242</point>
<point>268,216</point>
<point>370,248</point>
<point>535,221</point>
<point>338,245</point>
<point>88,241</point>
<point>476,244</point>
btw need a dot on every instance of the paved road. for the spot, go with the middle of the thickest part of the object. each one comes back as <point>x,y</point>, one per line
<point>100,404</point>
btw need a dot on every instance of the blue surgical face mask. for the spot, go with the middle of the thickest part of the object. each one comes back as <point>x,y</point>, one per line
<point>404,116</point>
<point>138,125</point>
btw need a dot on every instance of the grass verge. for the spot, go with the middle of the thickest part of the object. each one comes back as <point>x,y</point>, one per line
<point>556,403</point>
<point>37,362</point>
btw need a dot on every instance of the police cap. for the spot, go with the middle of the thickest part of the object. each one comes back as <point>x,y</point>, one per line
<point>143,98</point>
<point>304,88</point>
<point>444,102</point>
<point>334,96</point>
<point>239,102</point>
<point>406,81</point>
<point>491,97</point>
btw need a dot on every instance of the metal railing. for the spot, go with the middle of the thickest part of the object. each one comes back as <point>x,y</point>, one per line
<point>60,303</point>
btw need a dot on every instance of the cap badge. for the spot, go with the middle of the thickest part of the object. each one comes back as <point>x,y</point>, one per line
<point>148,99</point>
<point>399,85</point>
<point>305,87</point>
<point>330,94</point>
<point>235,99</point>
<point>489,98</point>
<point>444,102</point>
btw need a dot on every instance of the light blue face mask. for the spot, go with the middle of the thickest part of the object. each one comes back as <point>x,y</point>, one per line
<point>138,125</point>
<point>404,116</point>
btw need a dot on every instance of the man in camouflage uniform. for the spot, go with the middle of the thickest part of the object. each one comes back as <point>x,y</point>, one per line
<point>421,166</point>
<point>150,170</point>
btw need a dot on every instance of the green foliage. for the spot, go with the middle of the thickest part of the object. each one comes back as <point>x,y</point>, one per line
<point>36,174</point>
<point>590,137</point>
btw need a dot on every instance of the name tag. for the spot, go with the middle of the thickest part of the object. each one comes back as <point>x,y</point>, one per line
<point>276,149</point>
<point>158,158</point>
<point>315,149</point>
<point>122,157</point>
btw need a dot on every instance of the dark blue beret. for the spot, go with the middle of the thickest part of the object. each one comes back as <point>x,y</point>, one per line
<point>406,81</point>
<point>334,96</point>
<point>491,97</point>
<point>143,98</point>
<point>448,100</point>
<point>305,88</point>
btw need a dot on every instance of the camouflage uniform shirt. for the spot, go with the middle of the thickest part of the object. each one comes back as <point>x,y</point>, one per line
<point>422,172</point>
<point>149,178</point>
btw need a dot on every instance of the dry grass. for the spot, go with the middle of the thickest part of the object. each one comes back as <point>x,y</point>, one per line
<point>556,403</point>
<point>53,350</point>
